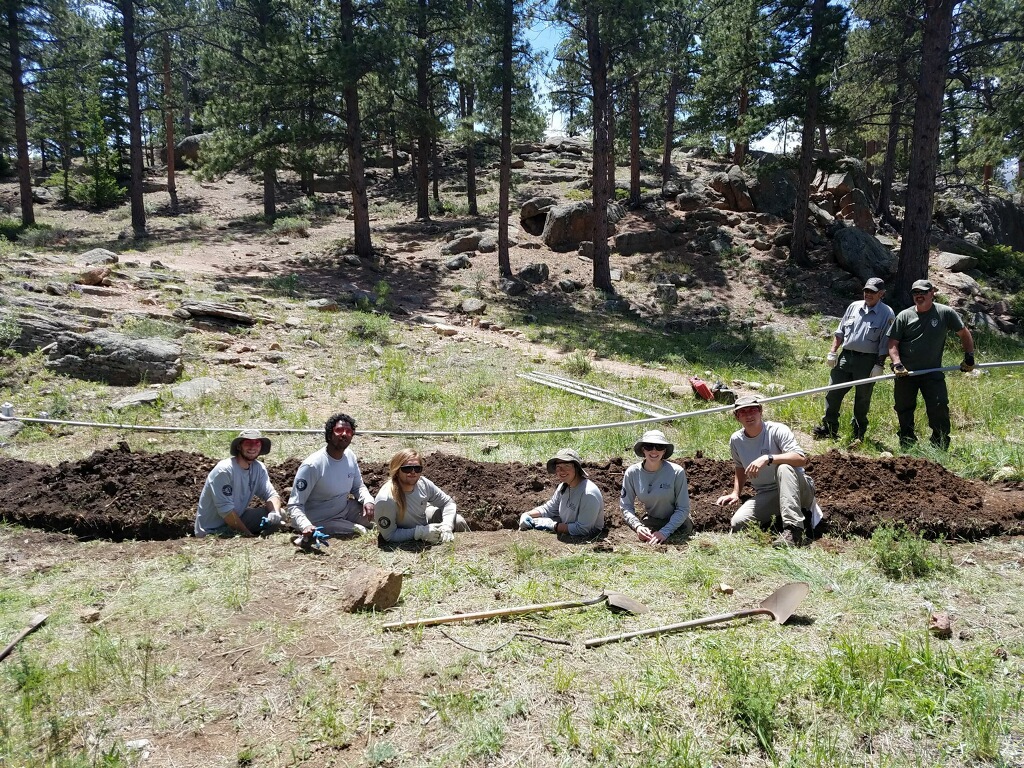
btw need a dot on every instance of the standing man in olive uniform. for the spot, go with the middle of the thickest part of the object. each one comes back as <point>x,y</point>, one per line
<point>915,344</point>
<point>863,333</point>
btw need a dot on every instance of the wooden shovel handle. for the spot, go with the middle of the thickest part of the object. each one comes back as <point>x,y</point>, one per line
<point>675,627</point>
<point>491,614</point>
<point>35,623</point>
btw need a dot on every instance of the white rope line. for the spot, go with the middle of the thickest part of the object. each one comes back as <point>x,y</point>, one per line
<point>488,432</point>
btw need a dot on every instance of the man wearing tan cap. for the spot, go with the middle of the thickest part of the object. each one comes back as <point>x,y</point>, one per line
<point>863,334</point>
<point>916,343</point>
<point>230,487</point>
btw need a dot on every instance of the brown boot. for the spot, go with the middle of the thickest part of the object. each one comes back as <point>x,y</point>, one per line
<point>791,536</point>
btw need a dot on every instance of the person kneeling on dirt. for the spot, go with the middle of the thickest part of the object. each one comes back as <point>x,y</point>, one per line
<point>411,508</point>
<point>320,499</point>
<point>766,453</point>
<point>662,489</point>
<point>224,502</point>
<point>577,507</point>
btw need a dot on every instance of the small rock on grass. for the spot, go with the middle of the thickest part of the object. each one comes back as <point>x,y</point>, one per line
<point>370,588</point>
<point>940,625</point>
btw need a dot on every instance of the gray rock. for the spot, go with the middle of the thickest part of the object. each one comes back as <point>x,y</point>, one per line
<point>97,256</point>
<point>323,305</point>
<point>732,185</point>
<point>200,310</point>
<point>958,245</point>
<point>9,429</point>
<point>193,389</point>
<point>643,241</point>
<point>774,190</point>
<point>568,225</point>
<point>964,283</point>
<point>586,250</point>
<point>534,213</point>
<point>512,287</point>
<point>536,273</point>
<point>955,262</point>
<point>459,262</point>
<point>667,294</point>
<point>862,255</point>
<point>115,359</point>
<point>463,244</point>
<point>473,306</point>
<point>41,195</point>
<point>569,286</point>
<point>368,588</point>
<point>144,397</point>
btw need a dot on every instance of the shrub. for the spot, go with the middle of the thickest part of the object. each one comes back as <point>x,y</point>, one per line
<point>903,555</point>
<point>296,225</point>
<point>577,364</point>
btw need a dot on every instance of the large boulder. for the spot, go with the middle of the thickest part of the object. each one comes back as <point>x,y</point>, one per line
<point>329,185</point>
<point>187,152</point>
<point>774,190</point>
<point>643,241</point>
<point>955,262</point>
<point>732,185</point>
<point>115,359</point>
<point>567,225</point>
<point>862,255</point>
<point>534,213</point>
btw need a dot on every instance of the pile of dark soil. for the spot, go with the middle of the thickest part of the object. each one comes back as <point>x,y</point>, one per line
<point>116,494</point>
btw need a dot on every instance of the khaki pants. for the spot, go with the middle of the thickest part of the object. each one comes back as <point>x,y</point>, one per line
<point>794,493</point>
<point>344,522</point>
<point>434,516</point>
<point>655,524</point>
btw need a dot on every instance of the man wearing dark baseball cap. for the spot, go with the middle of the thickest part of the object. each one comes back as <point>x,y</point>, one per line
<point>230,487</point>
<point>863,333</point>
<point>915,344</point>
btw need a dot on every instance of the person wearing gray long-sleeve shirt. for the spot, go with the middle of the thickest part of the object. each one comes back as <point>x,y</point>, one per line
<point>324,482</point>
<point>409,507</point>
<point>230,487</point>
<point>863,333</point>
<point>577,506</point>
<point>660,487</point>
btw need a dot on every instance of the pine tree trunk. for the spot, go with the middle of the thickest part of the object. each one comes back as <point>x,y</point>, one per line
<point>423,108</point>
<point>597,58</point>
<point>505,168</point>
<point>28,216</point>
<point>634,144</point>
<point>670,127</point>
<point>354,135</point>
<point>131,61</point>
<point>924,151</point>
<point>269,194</point>
<point>172,188</point>
<point>740,153</point>
<point>889,162</point>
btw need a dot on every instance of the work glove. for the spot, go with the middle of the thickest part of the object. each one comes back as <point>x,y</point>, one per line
<point>428,533</point>
<point>320,539</point>
<point>900,370</point>
<point>526,522</point>
<point>544,524</point>
<point>271,521</point>
<point>877,371</point>
<point>832,359</point>
<point>447,535</point>
<point>968,364</point>
<point>359,530</point>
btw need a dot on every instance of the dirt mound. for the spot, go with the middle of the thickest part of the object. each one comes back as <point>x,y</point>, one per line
<point>116,494</point>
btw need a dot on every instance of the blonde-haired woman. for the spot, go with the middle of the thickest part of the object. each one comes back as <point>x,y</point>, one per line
<point>411,508</point>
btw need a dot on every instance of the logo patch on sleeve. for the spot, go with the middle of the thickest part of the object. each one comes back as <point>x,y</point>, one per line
<point>227,490</point>
<point>300,485</point>
<point>384,522</point>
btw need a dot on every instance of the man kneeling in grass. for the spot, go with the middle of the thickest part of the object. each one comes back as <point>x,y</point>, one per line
<point>230,487</point>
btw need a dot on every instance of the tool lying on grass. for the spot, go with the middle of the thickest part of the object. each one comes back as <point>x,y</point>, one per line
<point>616,601</point>
<point>780,605</point>
<point>34,623</point>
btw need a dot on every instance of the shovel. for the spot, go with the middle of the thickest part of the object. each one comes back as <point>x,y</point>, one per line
<point>34,623</point>
<point>780,605</point>
<point>616,601</point>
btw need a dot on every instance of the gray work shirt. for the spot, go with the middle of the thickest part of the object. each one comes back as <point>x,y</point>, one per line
<point>774,439</point>
<point>866,329</point>
<point>664,495</point>
<point>229,488</point>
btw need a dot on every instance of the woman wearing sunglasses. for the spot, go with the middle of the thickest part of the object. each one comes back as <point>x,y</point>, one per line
<point>660,487</point>
<point>411,508</point>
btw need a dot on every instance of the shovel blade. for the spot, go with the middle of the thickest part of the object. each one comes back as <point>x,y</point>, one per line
<point>620,603</point>
<point>784,600</point>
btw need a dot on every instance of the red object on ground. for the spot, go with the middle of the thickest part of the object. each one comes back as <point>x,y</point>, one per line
<point>701,388</point>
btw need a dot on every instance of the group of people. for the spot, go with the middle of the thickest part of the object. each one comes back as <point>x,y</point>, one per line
<point>328,496</point>
<point>913,340</point>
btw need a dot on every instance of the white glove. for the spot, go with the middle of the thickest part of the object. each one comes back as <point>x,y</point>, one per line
<point>447,535</point>
<point>544,524</point>
<point>832,359</point>
<point>526,522</point>
<point>359,530</point>
<point>877,371</point>
<point>428,533</point>
<point>273,518</point>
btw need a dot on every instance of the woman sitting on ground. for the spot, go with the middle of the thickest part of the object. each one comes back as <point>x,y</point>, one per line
<point>660,487</point>
<point>411,508</point>
<point>577,508</point>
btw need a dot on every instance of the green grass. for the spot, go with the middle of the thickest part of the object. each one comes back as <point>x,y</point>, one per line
<point>901,554</point>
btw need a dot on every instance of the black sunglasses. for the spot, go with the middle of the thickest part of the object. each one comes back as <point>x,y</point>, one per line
<point>410,469</point>
<point>652,447</point>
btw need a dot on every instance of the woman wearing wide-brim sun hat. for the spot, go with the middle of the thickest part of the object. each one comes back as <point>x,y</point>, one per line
<point>660,487</point>
<point>577,506</point>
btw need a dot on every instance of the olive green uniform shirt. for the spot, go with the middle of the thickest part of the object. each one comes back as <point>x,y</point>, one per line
<point>922,337</point>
